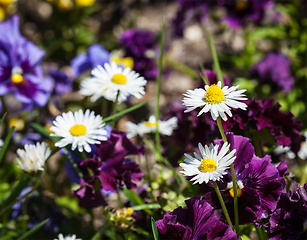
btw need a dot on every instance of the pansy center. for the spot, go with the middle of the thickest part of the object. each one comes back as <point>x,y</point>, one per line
<point>78,130</point>
<point>214,94</point>
<point>154,124</point>
<point>119,78</point>
<point>240,186</point>
<point>241,5</point>
<point>207,165</point>
<point>16,75</point>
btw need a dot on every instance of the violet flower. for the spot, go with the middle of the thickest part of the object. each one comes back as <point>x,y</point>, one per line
<point>197,221</point>
<point>274,69</point>
<point>111,169</point>
<point>62,82</point>
<point>137,44</point>
<point>259,183</point>
<point>20,72</point>
<point>289,220</point>
<point>240,11</point>
<point>285,130</point>
<point>96,55</point>
<point>190,11</point>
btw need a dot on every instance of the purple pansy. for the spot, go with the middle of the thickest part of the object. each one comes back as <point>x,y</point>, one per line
<point>197,221</point>
<point>111,169</point>
<point>20,72</point>
<point>289,220</point>
<point>62,82</point>
<point>96,55</point>
<point>259,183</point>
<point>188,11</point>
<point>240,11</point>
<point>137,43</point>
<point>286,131</point>
<point>274,69</point>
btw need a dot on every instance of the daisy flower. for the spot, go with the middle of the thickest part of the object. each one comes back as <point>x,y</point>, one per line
<point>107,82</point>
<point>165,127</point>
<point>79,129</point>
<point>33,157</point>
<point>215,99</point>
<point>72,237</point>
<point>211,165</point>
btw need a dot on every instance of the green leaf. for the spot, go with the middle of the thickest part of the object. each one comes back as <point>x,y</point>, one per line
<point>27,234</point>
<point>146,206</point>
<point>135,199</point>
<point>124,112</point>
<point>43,131</point>
<point>6,143</point>
<point>154,229</point>
<point>2,119</point>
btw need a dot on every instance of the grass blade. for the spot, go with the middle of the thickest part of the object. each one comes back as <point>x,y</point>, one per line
<point>27,234</point>
<point>6,143</point>
<point>154,229</point>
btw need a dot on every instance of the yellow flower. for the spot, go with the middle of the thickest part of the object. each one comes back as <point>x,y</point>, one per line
<point>84,3</point>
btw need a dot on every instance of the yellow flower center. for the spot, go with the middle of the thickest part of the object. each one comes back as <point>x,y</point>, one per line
<point>239,192</point>
<point>119,78</point>
<point>78,130</point>
<point>125,62</point>
<point>241,5</point>
<point>17,78</point>
<point>31,161</point>
<point>84,3</point>
<point>151,124</point>
<point>214,94</point>
<point>207,165</point>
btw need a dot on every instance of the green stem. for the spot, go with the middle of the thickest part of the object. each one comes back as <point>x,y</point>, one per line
<point>119,199</point>
<point>6,120</point>
<point>157,134</point>
<point>6,143</point>
<point>149,177</point>
<point>259,233</point>
<point>219,195</point>
<point>217,67</point>
<point>264,234</point>
<point>104,107</point>
<point>257,144</point>
<point>203,74</point>
<point>115,107</point>
<point>234,181</point>
<point>182,68</point>
<point>75,165</point>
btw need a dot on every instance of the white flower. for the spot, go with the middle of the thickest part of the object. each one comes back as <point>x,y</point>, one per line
<point>61,237</point>
<point>215,99</point>
<point>33,157</point>
<point>79,129</point>
<point>211,165</point>
<point>302,153</point>
<point>108,81</point>
<point>165,127</point>
<point>1,143</point>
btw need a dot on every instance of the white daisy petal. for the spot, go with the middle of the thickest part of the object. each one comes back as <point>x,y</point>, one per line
<point>79,129</point>
<point>211,166</point>
<point>33,157</point>
<point>108,81</point>
<point>215,99</point>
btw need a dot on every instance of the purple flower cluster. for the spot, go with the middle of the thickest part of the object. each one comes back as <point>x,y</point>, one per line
<point>110,170</point>
<point>274,69</point>
<point>289,220</point>
<point>259,183</point>
<point>137,43</point>
<point>265,114</point>
<point>240,11</point>
<point>189,11</point>
<point>197,221</point>
<point>20,72</point>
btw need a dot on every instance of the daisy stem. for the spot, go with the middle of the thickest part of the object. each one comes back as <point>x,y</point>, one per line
<point>219,195</point>
<point>119,199</point>
<point>75,165</point>
<point>104,107</point>
<point>233,176</point>
<point>149,176</point>
<point>203,74</point>
<point>217,67</point>
<point>115,107</point>
<point>157,134</point>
